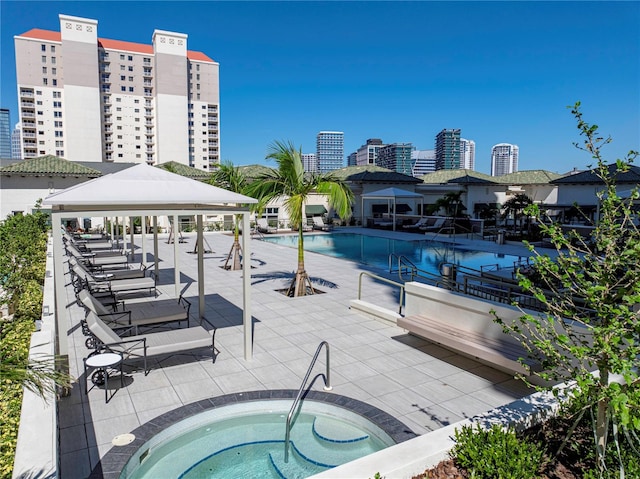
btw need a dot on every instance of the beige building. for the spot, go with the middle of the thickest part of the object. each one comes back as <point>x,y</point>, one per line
<point>87,98</point>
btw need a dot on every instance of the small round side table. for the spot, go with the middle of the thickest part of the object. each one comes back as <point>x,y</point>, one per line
<point>101,363</point>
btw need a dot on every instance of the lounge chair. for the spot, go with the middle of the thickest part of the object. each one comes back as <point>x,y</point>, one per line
<point>424,221</point>
<point>437,226</point>
<point>152,344</point>
<point>263,226</point>
<point>319,224</point>
<point>107,274</point>
<point>113,286</point>
<point>95,259</point>
<point>136,315</point>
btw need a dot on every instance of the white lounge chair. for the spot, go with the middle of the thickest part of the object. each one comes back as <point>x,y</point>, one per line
<point>437,226</point>
<point>319,224</point>
<point>136,315</point>
<point>424,221</point>
<point>263,226</point>
<point>112,286</point>
<point>152,344</point>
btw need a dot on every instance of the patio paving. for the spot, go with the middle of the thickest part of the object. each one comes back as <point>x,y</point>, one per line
<point>419,383</point>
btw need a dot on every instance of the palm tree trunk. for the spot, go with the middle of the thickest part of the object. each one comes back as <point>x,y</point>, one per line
<point>301,284</point>
<point>235,252</point>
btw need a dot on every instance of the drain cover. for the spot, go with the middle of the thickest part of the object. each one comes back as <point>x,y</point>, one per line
<point>122,439</point>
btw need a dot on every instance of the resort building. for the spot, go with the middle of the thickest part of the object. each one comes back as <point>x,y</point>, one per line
<point>396,157</point>
<point>467,154</point>
<point>367,154</point>
<point>310,162</point>
<point>424,161</point>
<point>504,159</point>
<point>330,150</point>
<point>94,99</point>
<point>448,149</point>
<point>5,133</point>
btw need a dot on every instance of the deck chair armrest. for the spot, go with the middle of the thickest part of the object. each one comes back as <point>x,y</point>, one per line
<point>185,304</point>
<point>128,344</point>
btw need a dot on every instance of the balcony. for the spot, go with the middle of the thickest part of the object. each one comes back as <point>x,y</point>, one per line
<point>107,120</point>
<point>148,113</point>
<point>147,72</point>
<point>28,104</point>
<point>105,69</point>
<point>150,140</point>
<point>213,135</point>
<point>148,123</point>
<point>148,92</point>
<point>28,125</point>
<point>108,130</point>
<point>150,151</point>
<point>26,93</point>
<point>29,154</point>
<point>28,134</point>
<point>213,117</point>
<point>108,148</point>
<point>28,114</point>
<point>147,83</point>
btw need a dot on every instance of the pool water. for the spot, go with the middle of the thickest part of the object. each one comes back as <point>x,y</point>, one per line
<point>374,251</point>
<point>247,441</point>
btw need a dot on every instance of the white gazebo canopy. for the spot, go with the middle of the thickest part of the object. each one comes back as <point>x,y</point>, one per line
<point>392,194</point>
<point>143,190</point>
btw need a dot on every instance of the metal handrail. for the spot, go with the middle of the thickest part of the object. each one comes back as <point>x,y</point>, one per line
<point>384,280</point>
<point>327,387</point>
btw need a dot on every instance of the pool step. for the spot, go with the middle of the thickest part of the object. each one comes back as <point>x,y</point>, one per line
<point>330,430</point>
<point>298,466</point>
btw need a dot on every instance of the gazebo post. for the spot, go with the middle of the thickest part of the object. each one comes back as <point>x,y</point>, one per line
<point>143,222</point>
<point>155,248</point>
<point>247,318</point>
<point>200,248</point>
<point>176,266</point>
<point>131,228</point>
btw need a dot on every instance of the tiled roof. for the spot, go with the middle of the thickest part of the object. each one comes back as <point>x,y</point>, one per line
<point>441,177</point>
<point>49,165</point>
<point>528,177</point>
<point>590,177</point>
<point>253,171</point>
<point>372,174</point>
<point>184,170</point>
<point>144,48</point>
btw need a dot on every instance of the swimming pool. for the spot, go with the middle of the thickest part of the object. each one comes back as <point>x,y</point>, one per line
<point>374,251</point>
<point>246,439</point>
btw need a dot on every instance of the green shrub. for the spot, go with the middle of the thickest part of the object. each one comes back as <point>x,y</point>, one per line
<point>496,453</point>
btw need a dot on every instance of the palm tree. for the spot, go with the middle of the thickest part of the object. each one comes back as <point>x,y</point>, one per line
<point>291,182</point>
<point>231,178</point>
<point>516,205</point>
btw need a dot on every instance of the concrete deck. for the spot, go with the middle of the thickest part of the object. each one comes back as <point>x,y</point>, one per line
<point>419,383</point>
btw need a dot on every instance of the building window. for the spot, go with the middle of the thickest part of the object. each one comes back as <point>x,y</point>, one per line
<point>57,124</point>
<point>130,78</point>
<point>119,155</point>
<point>123,88</point>
<point>39,102</point>
<point>198,96</point>
<point>123,78</point>
<point>44,59</point>
<point>130,58</point>
<point>119,137</point>
<point>53,48</point>
<point>57,114</point>
<point>131,68</point>
<point>43,47</point>
<point>122,67</point>
<point>130,89</point>
<point>44,70</point>
<point>59,143</point>
<point>53,60</point>
<point>54,71</point>
<point>57,104</point>
<point>118,118</point>
<point>38,92</point>
<point>198,67</point>
<point>59,152</point>
<point>121,57</point>
<point>58,134</point>
<point>54,82</point>
<point>118,108</point>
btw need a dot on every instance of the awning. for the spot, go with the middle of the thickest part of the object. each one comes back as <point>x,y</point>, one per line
<point>402,208</point>
<point>379,208</point>
<point>314,210</point>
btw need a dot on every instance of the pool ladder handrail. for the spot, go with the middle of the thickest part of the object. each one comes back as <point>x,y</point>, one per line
<point>327,387</point>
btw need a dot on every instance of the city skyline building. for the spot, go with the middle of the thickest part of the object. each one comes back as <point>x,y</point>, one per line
<point>87,98</point>
<point>16,151</point>
<point>504,159</point>
<point>330,150</point>
<point>310,162</point>
<point>424,162</point>
<point>448,149</point>
<point>5,133</point>
<point>352,159</point>
<point>467,154</point>
<point>367,154</point>
<point>396,157</point>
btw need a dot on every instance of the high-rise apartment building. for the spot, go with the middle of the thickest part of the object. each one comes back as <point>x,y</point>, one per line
<point>87,98</point>
<point>5,133</point>
<point>310,162</point>
<point>448,149</point>
<point>396,157</point>
<point>367,154</point>
<point>330,150</point>
<point>424,161</point>
<point>352,159</point>
<point>467,154</point>
<point>16,135</point>
<point>504,159</point>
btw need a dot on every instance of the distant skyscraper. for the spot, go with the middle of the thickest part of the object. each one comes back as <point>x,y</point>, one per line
<point>330,150</point>
<point>467,154</point>
<point>5,133</point>
<point>504,159</point>
<point>396,157</point>
<point>16,149</point>
<point>367,154</point>
<point>424,161</point>
<point>352,159</point>
<point>310,162</point>
<point>448,149</point>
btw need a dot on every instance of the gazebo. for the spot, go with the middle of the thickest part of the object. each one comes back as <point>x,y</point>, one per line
<point>145,191</point>
<point>391,195</point>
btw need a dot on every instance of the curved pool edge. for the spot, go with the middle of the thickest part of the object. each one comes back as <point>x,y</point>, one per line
<point>111,464</point>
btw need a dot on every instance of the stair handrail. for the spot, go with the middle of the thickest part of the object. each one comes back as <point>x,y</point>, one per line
<point>327,387</point>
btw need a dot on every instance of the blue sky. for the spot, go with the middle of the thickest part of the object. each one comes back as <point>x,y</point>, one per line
<point>400,71</point>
